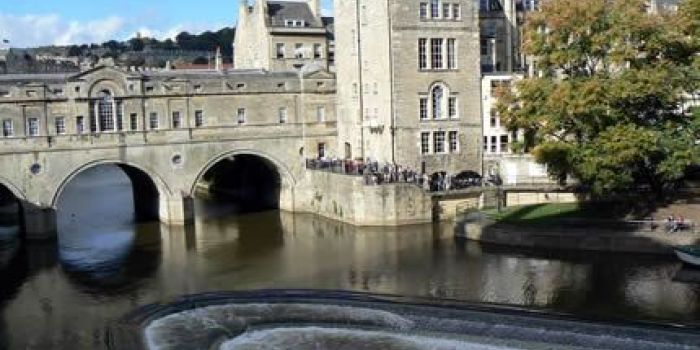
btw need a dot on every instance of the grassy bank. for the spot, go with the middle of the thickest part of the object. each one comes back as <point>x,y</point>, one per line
<point>552,212</point>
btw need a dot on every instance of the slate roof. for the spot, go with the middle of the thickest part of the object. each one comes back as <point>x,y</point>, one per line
<point>279,11</point>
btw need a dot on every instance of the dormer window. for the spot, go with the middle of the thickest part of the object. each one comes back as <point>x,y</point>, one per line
<point>294,23</point>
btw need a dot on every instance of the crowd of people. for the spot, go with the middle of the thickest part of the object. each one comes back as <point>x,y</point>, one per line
<point>375,173</point>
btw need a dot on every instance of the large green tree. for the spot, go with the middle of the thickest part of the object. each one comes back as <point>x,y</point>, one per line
<point>608,104</point>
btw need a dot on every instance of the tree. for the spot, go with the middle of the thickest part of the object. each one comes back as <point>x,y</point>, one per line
<point>608,105</point>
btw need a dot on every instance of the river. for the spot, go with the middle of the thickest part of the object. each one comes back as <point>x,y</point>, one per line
<point>63,296</point>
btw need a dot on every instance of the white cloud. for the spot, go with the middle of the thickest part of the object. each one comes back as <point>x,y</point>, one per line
<point>51,29</point>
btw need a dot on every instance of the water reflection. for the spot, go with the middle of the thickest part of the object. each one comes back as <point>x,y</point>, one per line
<point>106,264</point>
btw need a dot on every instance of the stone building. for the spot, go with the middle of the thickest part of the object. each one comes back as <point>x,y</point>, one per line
<point>281,35</point>
<point>115,100</point>
<point>408,74</point>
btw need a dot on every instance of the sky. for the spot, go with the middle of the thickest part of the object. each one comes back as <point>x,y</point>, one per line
<point>28,23</point>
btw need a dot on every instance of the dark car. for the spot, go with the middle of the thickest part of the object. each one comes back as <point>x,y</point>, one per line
<point>467,178</point>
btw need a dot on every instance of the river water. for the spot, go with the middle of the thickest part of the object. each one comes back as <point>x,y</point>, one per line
<point>62,296</point>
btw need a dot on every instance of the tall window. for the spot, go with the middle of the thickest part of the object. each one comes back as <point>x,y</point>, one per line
<point>436,53</point>
<point>153,123</point>
<point>435,8</point>
<point>446,13</point>
<point>452,108</point>
<point>453,141</point>
<point>198,119</point>
<point>439,142</point>
<point>451,54</point>
<point>105,112</point>
<point>424,142</point>
<point>60,125</point>
<point>456,13</point>
<point>437,97</point>
<point>423,10</point>
<point>423,53</point>
<point>80,124</point>
<point>133,121</point>
<point>33,126</point>
<point>494,144</point>
<point>120,115</point>
<point>299,50</point>
<point>321,114</point>
<point>177,120</point>
<point>283,115</point>
<point>424,108</point>
<point>317,51</point>
<point>240,116</point>
<point>8,128</point>
<point>486,144</point>
<point>504,143</point>
<point>280,50</point>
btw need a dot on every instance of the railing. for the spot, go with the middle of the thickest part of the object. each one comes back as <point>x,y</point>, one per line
<point>372,172</point>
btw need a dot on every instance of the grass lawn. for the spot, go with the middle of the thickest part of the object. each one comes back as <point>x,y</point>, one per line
<point>550,212</point>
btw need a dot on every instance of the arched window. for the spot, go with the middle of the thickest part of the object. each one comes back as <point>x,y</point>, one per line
<point>438,100</point>
<point>105,111</point>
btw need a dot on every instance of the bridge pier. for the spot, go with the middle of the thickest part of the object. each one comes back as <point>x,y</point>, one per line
<point>176,210</point>
<point>38,223</point>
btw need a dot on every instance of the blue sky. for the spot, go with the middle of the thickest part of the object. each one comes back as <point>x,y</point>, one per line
<point>43,22</point>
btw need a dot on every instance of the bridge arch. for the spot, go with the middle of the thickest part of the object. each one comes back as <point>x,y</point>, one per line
<point>285,180</point>
<point>13,189</point>
<point>144,182</point>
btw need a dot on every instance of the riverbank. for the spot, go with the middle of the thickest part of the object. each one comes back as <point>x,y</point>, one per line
<point>569,227</point>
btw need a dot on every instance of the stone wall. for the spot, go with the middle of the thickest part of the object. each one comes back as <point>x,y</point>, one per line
<point>348,199</point>
<point>591,237</point>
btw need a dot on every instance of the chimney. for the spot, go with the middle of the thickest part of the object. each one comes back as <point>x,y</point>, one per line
<point>315,6</point>
<point>219,62</point>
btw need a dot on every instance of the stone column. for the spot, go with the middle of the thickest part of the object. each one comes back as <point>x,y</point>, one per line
<point>176,210</point>
<point>39,223</point>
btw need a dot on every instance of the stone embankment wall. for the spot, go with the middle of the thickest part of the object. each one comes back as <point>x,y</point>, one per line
<point>577,238</point>
<point>348,199</point>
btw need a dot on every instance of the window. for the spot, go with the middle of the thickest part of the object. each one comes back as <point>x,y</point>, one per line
<point>240,116</point>
<point>282,115</point>
<point>437,100</point>
<point>486,144</point>
<point>80,124</point>
<point>434,8</point>
<point>317,51</point>
<point>424,142</point>
<point>8,128</point>
<point>321,150</point>
<point>133,121</point>
<point>439,142</point>
<point>198,119</point>
<point>452,108</point>
<point>504,144</point>
<point>451,54</point>
<point>454,141</point>
<point>33,126</point>
<point>423,10</point>
<point>494,144</point>
<point>456,13</point>
<point>93,122</point>
<point>280,50</point>
<point>436,53</point>
<point>446,13</point>
<point>120,116</point>
<point>321,114</point>
<point>484,44</point>
<point>424,108</point>
<point>105,112</point>
<point>299,50</point>
<point>177,120</point>
<point>198,88</point>
<point>422,53</point>
<point>60,125</point>
<point>153,121</point>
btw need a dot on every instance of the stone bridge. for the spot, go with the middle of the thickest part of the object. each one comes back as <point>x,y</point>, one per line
<point>166,164</point>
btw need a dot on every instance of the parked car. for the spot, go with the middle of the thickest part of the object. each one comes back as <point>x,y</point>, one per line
<point>467,178</point>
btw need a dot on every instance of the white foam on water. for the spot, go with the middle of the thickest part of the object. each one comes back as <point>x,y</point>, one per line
<point>316,338</point>
<point>200,326</point>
